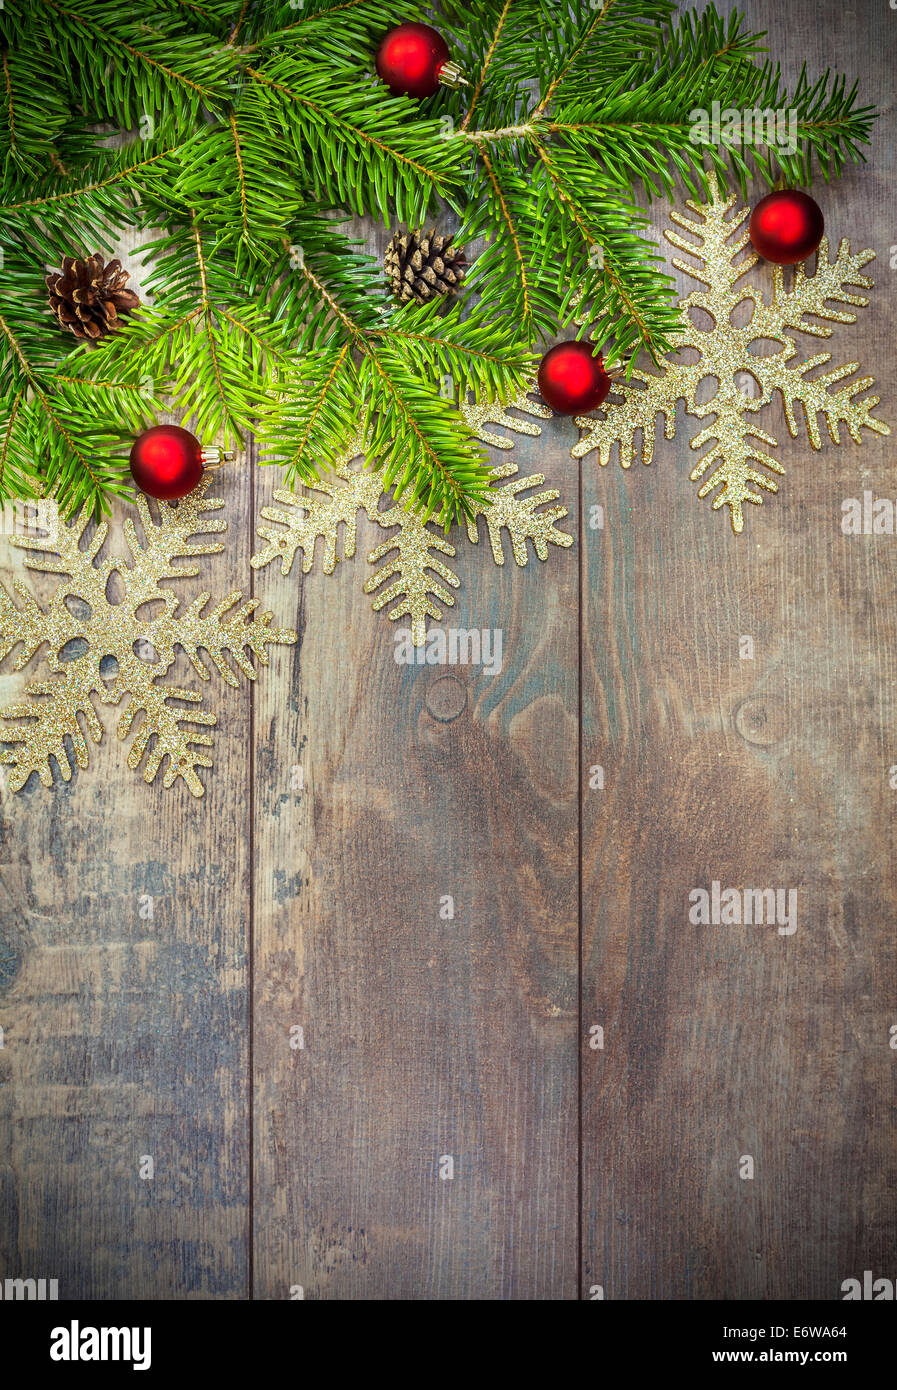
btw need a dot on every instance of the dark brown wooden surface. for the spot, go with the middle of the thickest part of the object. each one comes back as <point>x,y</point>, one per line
<point>127,1034</point>
<point>423,1037</point>
<point>279,1169</point>
<point>723,1041</point>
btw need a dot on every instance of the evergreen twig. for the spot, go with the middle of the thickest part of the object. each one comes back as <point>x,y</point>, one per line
<point>255,132</point>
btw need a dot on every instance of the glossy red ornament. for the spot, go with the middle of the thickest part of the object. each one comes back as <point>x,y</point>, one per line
<point>166,462</point>
<point>572,381</point>
<point>411,59</point>
<point>786,227</point>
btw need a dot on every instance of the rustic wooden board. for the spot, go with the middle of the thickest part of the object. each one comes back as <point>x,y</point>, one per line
<point>127,1034</point>
<point>423,1037</point>
<point>724,1041</point>
<point>316,1170</point>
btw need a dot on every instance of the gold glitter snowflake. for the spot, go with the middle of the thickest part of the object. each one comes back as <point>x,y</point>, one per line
<point>747,382</point>
<point>100,634</point>
<point>414,576</point>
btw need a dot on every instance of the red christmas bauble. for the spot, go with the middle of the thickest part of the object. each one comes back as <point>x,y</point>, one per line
<point>571,380</point>
<point>410,59</point>
<point>166,462</point>
<point>786,227</point>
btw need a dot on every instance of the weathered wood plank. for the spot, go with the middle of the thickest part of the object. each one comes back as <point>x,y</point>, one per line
<point>423,1037</point>
<point>426,1038</point>
<point>125,1033</point>
<point>725,1041</point>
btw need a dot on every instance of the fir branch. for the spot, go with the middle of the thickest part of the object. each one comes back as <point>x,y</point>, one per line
<point>15,467</point>
<point>316,404</point>
<point>33,111</point>
<point>162,66</point>
<point>241,180</point>
<point>383,364</point>
<point>583,41</point>
<point>613,284</point>
<point>526,311</point>
<point>410,431</point>
<point>241,18</point>
<point>206,315</point>
<point>348,42</point>
<point>79,212</point>
<point>487,60</point>
<point>214,352</point>
<point>364,156</point>
<point>44,424</point>
<point>61,192</point>
<point>255,127</point>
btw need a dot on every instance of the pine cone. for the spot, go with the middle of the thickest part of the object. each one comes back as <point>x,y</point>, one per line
<point>423,265</point>
<point>89,296</point>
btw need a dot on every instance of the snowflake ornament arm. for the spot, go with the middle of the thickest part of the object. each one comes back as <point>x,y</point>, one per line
<point>816,396</point>
<point>21,626</point>
<point>38,727</point>
<point>651,398</point>
<point>810,294</point>
<point>419,573</point>
<point>163,722</point>
<point>520,516</point>
<point>318,513</point>
<point>193,631</point>
<point>508,509</point>
<point>43,724</point>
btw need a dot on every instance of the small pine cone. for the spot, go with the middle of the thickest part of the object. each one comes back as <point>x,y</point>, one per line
<point>423,266</point>
<point>89,297</point>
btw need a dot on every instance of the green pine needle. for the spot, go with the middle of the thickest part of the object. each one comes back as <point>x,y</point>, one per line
<point>253,131</point>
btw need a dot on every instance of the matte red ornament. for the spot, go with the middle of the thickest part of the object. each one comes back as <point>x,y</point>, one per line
<point>786,227</point>
<point>572,381</point>
<point>166,462</point>
<point>411,60</point>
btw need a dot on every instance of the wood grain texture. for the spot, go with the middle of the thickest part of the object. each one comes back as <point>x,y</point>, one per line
<point>127,1035</point>
<point>723,1041</point>
<point>277,906</point>
<point>423,1037</point>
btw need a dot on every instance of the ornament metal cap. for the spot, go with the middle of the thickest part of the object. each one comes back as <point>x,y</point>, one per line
<point>450,75</point>
<point>211,456</point>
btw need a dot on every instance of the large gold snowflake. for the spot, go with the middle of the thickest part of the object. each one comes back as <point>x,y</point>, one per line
<point>747,381</point>
<point>108,650</point>
<point>414,575</point>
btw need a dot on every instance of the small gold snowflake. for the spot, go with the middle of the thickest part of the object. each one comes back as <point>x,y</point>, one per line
<point>139,649</point>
